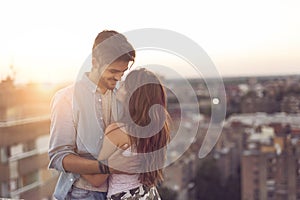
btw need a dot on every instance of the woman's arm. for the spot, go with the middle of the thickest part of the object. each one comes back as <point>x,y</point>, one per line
<point>113,139</point>
<point>96,180</point>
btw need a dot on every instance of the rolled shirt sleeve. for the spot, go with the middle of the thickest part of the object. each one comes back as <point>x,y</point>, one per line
<point>62,128</point>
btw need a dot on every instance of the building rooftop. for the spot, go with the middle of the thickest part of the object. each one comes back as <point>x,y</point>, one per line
<point>23,121</point>
<point>256,119</point>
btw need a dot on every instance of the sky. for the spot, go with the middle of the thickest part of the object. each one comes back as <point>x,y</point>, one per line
<point>48,41</point>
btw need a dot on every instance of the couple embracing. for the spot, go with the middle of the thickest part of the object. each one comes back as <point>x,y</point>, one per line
<point>110,143</point>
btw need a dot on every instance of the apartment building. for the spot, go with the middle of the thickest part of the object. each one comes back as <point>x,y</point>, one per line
<point>24,135</point>
<point>24,159</point>
<point>270,167</point>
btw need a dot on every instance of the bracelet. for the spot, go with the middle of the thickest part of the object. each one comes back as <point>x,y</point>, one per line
<point>103,166</point>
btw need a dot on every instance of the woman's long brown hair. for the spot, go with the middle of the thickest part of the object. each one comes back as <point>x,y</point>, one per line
<point>140,101</point>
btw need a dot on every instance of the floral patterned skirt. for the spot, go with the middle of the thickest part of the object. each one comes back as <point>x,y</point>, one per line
<point>139,193</point>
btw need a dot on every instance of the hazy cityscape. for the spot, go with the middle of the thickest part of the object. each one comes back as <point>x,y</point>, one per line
<point>256,157</point>
<point>251,153</point>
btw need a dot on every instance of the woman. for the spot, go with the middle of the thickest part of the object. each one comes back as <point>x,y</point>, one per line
<point>145,127</point>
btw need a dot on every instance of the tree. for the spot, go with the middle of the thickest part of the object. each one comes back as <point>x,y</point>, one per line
<point>167,193</point>
<point>232,188</point>
<point>208,181</point>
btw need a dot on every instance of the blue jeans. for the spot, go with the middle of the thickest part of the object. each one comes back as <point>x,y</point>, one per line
<point>77,193</point>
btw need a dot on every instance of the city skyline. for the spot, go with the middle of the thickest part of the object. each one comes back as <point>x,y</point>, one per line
<point>49,41</point>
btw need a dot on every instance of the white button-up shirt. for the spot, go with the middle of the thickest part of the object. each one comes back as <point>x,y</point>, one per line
<point>77,127</point>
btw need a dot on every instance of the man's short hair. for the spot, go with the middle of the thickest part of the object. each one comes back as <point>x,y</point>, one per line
<point>110,46</point>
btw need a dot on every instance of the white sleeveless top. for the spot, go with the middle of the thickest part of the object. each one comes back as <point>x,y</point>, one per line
<point>122,182</point>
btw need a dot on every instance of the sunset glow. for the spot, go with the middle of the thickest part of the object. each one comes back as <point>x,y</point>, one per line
<point>48,42</point>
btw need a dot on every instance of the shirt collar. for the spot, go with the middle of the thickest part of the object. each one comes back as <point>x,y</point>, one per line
<point>88,83</point>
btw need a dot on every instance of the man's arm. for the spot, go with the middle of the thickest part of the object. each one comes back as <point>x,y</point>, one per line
<point>76,164</point>
<point>62,143</point>
<point>97,180</point>
<point>114,144</point>
<point>63,140</point>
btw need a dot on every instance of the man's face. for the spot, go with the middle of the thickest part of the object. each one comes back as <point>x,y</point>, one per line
<point>112,74</point>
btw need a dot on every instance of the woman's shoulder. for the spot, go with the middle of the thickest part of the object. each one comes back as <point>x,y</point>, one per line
<point>117,134</point>
<point>115,128</point>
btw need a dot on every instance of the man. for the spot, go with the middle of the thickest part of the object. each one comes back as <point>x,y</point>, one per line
<point>79,115</point>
